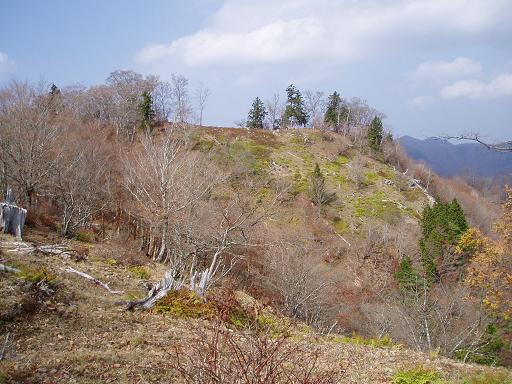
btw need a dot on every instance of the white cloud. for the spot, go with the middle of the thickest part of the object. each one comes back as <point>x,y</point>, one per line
<point>269,31</point>
<point>435,70</point>
<point>6,64</point>
<point>420,102</point>
<point>500,86</point>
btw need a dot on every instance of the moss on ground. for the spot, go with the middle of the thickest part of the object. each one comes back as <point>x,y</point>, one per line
<point>418,375</point>
<point>340,225</point>
<point>35,274</point>
<point>378,206</point>
<point>140,272</point>
<point>185,303</point>
<point>383,342</point>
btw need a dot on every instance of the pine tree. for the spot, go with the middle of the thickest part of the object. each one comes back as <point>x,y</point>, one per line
<point>147,112</point>
<point>317,190</point>
<point>431,250</point>
<point>375,134</point>
<point>333,112</point>
<point>457,219</point>
<point>294,113</point>
<point>256,114</point>
<point>54,90</point>
<point>406,276</point>
<point>442,226</point>
<point>55,102</point>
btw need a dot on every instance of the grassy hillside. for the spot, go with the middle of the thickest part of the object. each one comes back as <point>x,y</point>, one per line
<point>315,283</point>
<point>363,197</point>
<point>80,333</point>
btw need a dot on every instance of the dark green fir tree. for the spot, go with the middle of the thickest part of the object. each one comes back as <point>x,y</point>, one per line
<point>147,113</point>
<point>295,112</point>
<point>375,134</point>
<point>256,117</point>
<point>332,116</point>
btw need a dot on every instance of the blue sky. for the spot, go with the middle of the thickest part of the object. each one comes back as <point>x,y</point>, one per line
<point>433,67</point>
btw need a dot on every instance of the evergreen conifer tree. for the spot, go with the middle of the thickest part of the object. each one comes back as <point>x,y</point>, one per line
<point>256,114</point>
<point>375,134</point>
<point>442,225</point>
<point>332,114</point>
<point>55,101</point>
<point>147,112</point>
<point>54,90</point>
<point>295,112</point>
<point>457,219</point>
<point>406,276</point>
<point>317,190</point>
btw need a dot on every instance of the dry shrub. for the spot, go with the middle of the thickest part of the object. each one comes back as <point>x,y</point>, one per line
<point>218,355</point>
<point>227,307</point>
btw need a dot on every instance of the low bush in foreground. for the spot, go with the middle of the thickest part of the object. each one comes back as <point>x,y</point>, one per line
<point>418,375</point>
<point>219,355</point>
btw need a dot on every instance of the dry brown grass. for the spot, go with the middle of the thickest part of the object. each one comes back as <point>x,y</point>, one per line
<point>80,335</point>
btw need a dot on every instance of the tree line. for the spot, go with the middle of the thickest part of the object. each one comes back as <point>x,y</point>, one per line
<point>310,109</point>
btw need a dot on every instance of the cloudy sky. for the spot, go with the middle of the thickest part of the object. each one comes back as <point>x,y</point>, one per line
<point>432,66</point>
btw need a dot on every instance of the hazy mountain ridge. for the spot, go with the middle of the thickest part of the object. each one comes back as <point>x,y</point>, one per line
<point>449,159</point>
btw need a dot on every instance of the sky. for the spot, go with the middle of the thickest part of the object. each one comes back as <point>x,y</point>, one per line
<point>434,67</point>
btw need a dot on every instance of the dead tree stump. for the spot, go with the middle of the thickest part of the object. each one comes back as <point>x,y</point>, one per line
<point>12,219</point>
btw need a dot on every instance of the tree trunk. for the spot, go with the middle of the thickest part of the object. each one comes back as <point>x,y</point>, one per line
<point>12,219</point>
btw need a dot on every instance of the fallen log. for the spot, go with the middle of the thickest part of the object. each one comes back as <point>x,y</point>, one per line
<point>94,280</point>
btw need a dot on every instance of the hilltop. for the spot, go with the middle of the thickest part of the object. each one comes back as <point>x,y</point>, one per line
<point>308,275</point>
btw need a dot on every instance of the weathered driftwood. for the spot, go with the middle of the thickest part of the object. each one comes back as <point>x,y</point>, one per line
<point>16,246</point>
<point>94,280</point>
<point>12,219</point>
<point>6,268</point>
<point>5,347</point>
<point>168,284</point>
<point>62,250</point>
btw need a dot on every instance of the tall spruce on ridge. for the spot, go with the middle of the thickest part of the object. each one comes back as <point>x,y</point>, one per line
<point>375,134</point>
<point>295,111</point>
<point>257,114</point>
<point>332,114</point>
<point>147,112</point>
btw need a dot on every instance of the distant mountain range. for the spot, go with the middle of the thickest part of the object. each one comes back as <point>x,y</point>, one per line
<point>447,159</point>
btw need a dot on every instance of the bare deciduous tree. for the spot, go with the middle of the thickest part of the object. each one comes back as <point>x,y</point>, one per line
<point>296,272</point>
<point>275,110</point>
<point>434,318</point>
<point>164,178</point>
<point>80,181</point>
<point>315,105</point>
<point>356,171</point>
<point>202,94</point>
<point>181,99</point>
<point>29,136</point>
<point>163,100</point>
<point>127,88</point>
